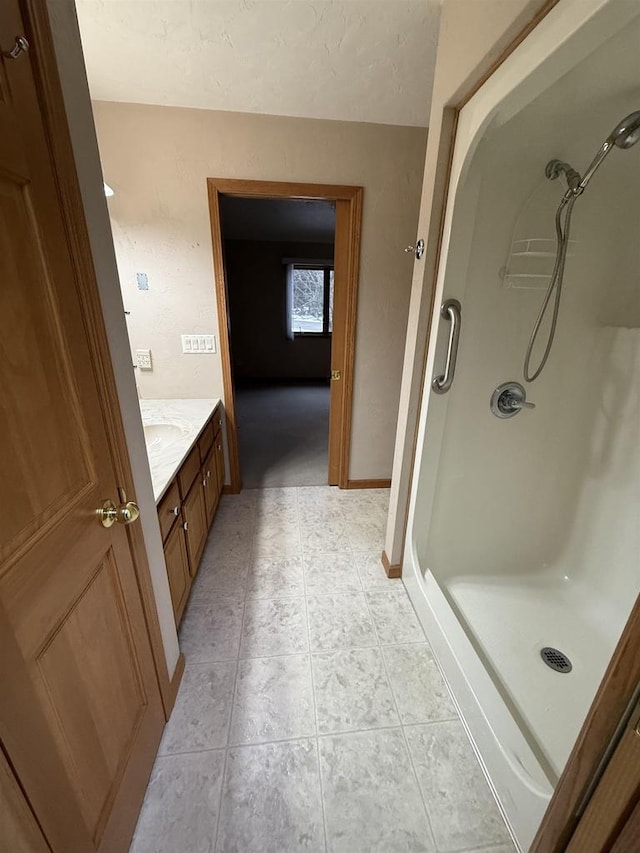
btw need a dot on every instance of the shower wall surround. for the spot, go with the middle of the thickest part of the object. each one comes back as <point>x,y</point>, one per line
<point>524,533</point>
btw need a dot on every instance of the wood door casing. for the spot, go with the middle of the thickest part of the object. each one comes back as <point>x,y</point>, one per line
<point>70,601</point>
<point>348,200</point>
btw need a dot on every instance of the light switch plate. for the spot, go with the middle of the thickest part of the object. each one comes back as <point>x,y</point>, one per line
<point>199,344</point>
<point>143,359</point>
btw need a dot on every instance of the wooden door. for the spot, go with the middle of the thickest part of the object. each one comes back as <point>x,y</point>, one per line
<point>19,830</point>
<point>615,798</point>
<point>175,555</point>
<point>195,521</point>
<point>610,708</point>
<point>80,711</point>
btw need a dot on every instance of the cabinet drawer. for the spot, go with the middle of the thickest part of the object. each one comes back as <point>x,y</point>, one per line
<point>189,471</point>
<point>169,509</point>
<point>195,524</point>
<point>175,555</point>
<point>205,441</point>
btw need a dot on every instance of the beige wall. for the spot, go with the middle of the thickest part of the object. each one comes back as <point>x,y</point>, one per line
<point>473,34</point>
<point>157,160</point>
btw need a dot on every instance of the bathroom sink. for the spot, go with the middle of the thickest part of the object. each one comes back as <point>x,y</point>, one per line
<point>155,434</point>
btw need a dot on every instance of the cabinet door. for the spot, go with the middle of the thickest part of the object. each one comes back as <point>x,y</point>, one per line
<point>219,452</point>
<point>169,509</point>
<point>195,523</point>
<point>211,491</point>
<point>175,555</point>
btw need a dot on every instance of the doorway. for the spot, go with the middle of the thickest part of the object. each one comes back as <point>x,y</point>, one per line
<point>286,429</point>
<point>278,256</point>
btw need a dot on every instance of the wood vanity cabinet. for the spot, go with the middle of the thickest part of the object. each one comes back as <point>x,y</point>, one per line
<point>188,508</point>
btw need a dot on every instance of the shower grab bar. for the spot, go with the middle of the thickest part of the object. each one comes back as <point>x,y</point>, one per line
<point>451,310</point>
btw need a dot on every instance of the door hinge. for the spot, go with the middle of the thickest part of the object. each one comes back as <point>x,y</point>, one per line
<point>336,374</point>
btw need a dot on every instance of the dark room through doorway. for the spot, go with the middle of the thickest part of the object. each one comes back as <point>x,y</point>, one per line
<point>279,270</point>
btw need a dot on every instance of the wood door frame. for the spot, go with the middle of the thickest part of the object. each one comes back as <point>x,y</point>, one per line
<point>45,70</point>
<point>348,229</point>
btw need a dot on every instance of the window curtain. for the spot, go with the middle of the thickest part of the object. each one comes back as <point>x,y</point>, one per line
<point>289,301</point>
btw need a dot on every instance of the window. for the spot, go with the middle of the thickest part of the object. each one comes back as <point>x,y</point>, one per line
<point>311,302</point>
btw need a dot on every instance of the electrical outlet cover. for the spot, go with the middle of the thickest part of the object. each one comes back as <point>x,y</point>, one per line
<point>198,344</point>
<point>143,359</point>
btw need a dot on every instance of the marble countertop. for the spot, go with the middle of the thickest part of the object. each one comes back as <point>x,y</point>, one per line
<point>171,428</point>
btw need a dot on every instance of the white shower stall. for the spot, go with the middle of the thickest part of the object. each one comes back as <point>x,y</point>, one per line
<point>524,533</point>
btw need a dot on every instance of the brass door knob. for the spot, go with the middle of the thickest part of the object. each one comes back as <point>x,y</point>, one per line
<point>109,513</point>
<point>128,513</point>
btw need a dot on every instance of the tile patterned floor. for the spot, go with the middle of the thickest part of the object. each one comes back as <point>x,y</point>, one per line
<point>312,715</point>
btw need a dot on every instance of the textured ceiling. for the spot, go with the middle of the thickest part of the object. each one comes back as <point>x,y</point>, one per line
<point>355,60</point>
<point>277,219</point>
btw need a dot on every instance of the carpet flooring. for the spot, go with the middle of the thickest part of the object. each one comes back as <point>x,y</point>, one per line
<point>283,433</point>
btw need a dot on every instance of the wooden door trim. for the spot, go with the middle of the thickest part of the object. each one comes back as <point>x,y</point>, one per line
<point>612,699</point>
<point>45,70</point>
<point>351,195</point>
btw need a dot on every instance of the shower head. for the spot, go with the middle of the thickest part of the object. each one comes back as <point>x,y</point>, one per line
<point>625,134</point>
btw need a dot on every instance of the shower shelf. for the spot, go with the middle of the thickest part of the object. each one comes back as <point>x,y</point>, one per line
<point>530,263</point>
<point>525,281</point>
<point>534,246</point>
<point>533,254</point>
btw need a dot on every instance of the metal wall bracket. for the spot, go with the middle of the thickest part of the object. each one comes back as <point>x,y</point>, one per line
<point>418,249</point>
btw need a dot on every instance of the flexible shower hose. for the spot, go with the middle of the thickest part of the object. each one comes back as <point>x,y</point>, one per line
<point>557,278</point>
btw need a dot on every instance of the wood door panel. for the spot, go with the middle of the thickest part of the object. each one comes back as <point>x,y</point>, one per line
<point>95,698</point>
<point>19,831</point>
<point>52,465</point>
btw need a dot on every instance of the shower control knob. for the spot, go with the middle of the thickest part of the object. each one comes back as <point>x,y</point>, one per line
<point>521,404</point>
<point>508,399</point>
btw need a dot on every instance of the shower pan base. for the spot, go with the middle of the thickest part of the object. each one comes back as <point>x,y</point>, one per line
<point>510,620</point>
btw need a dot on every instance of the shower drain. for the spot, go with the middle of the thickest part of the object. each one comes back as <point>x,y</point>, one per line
<point>556,659</point>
